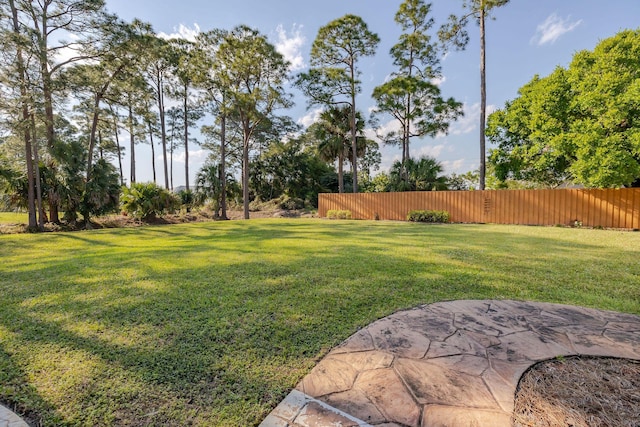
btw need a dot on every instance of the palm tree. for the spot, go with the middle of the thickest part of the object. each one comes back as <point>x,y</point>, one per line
<point>209,186</point>
<point>419,175</point>
<point>333,132</point>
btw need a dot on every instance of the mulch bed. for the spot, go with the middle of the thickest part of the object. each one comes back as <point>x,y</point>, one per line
<point>579,392</point>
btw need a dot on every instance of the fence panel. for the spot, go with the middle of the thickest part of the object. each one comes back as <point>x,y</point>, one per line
<point>610,208</point>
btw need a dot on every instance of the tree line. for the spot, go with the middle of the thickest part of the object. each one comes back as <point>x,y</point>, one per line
<point>74,79</point>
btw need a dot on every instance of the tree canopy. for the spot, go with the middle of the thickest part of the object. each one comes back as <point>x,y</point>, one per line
<point>579,124</point>
<point>410,96</point>
<point>334,76</point>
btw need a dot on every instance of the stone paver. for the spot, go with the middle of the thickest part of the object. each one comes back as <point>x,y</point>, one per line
<point>448,364</point>
<point>9,419</point>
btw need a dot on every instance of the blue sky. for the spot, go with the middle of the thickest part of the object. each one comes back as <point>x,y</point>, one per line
<point>526,38</point>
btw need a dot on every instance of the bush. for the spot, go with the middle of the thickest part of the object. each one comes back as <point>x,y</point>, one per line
<point>187,199</point>
<point>146,201</point>
<point>290,203</point>
<point>429,216</point>
<point>338,214</point>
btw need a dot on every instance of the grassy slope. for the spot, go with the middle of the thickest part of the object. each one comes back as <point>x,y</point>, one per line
<point>212,324</point>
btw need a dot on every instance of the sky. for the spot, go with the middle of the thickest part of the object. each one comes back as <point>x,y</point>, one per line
<point>524,38</point>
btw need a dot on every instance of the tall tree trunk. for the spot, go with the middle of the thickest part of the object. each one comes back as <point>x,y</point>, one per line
<point>171,165</point>
<point>407,124</point>
<point>341,174</point>
<point>186,137</point>
<point>117,138</point>
<point>31,200</point>
<point>54,203</point>
<point>92,135</point>
<point>25,122</point>
<point>354,144</point>
<point>42,217</point>
<point>223,166</point>
<point>47,89</point>
<point>245,170</point>
<point>132,141</point>
<point>163,130</point>
<point>153,154</point>
<point>96,116</point>
<point>483,98</point>
<point>100,145</point>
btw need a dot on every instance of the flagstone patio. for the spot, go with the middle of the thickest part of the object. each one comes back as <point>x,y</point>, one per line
<point>454,363</point>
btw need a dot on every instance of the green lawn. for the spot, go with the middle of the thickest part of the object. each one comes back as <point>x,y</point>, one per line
<point>13,218</point>
<point>213,323</point>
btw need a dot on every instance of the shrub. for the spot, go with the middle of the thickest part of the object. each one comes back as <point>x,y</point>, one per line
<point>187,199</point>
<point>290,203</point>
<point>429,216</point>
<point>338,214</point>
<point>147,200</point>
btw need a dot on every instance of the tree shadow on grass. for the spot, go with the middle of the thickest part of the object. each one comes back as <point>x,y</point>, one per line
<point>21,397</point>
<point>213,325</point>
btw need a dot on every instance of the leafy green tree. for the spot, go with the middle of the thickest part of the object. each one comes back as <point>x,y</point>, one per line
<point>532,131</point>
<point>410,96</point>
<point>454,33</point>
<point>369,159</point>
<point>424,174</point>
<point>224,140</point>
<point>606,131</point>
<point>133,99</point>
<point>254,74</point>
<point>102,191</point>
<point>466,181</point>
<point>210,188</point>
<point>12,43</point>
<point>62,170</point>
<point>13,184</point>
<point>578,124</point>
<point>160,59</point>
<point>218,101</point>
<point>334,77</point>
<point>333,135</point>
<point>112,126</point>
<point>190,63</point>
<point>380,183</point>
<point>291,169</point>
<point>44,21</point>
<point>118,53</point>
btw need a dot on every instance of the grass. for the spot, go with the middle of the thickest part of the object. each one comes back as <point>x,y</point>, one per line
<point>213,323</point>
<point>13,218</point>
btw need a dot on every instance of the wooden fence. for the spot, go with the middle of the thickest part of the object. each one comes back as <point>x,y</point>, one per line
<point>611,208</point>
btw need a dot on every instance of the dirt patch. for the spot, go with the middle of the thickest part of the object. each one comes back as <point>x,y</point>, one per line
<point>579,392</point>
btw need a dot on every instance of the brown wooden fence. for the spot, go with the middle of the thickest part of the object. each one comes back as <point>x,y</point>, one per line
<point>611,208</point>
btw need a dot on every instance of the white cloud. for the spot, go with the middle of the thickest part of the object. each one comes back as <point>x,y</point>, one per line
<point>310,118</point>
<point>384,129</point>
<point>553,28</point>
<point>291,46</point>
<point>182,32</point>
<point>428,150</point>
<point>469,122</point>
<point>71,51</point>
<point>454,165</point>
<point>195,156</point>
<point>439,81</point>
<point>388,158</point>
